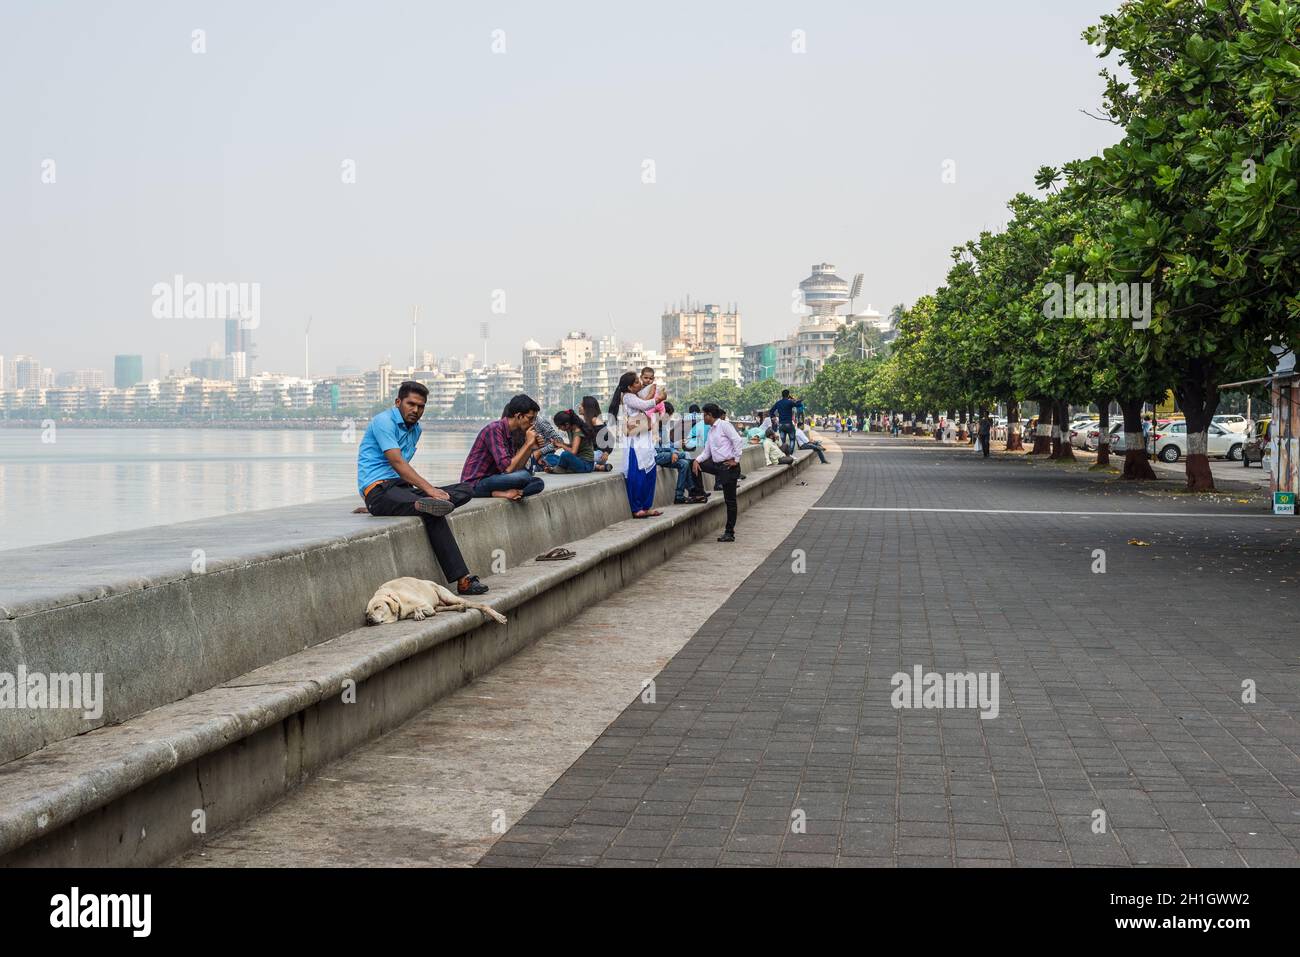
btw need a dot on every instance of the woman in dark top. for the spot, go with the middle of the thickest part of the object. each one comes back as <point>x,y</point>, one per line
<point>580,454</point>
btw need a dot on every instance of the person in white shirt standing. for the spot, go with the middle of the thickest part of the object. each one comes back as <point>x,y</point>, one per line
<point>721,459</point>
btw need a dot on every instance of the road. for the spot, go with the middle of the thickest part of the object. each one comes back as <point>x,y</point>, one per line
<point>1143,647</point>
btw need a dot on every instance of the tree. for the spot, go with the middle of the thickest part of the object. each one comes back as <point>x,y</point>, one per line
<point>760,394</point>
<point>724,393</point>
<point>1206,181</point>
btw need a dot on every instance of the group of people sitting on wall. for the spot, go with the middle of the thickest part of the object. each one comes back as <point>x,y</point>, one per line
<point>508,453</point>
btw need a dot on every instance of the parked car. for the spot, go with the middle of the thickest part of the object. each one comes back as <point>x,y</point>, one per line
<point>1079,432</point>
<point>1259,446</point>
<point>1116,440</point>
<point>1171,442</point>
<point>1232,422</point>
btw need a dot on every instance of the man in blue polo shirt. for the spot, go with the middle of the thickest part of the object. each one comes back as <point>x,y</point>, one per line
<point>390,486</point>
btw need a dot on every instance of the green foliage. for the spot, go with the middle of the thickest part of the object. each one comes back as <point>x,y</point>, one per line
<point>725,394</point>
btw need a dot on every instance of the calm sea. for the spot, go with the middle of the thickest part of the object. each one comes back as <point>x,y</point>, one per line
<point>95,481</point>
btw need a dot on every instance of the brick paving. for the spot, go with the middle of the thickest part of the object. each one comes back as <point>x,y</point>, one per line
<point>772,740</point>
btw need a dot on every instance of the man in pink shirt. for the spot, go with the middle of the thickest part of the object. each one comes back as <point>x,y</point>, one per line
<point>721,459</point>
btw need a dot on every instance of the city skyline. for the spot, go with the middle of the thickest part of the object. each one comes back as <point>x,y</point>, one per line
<point>475,183</point>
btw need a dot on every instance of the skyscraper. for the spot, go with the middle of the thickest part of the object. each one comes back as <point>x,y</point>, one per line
<point>27,373</point>
<point>240,350</point>
<point>127,371</point>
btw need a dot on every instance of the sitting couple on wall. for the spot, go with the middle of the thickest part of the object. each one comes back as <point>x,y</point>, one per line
<point>495,467</point>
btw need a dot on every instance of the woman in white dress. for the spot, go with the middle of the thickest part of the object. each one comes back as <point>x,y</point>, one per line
<point>637,439</point>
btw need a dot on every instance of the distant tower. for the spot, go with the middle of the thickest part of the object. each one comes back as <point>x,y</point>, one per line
<point>824,292</point>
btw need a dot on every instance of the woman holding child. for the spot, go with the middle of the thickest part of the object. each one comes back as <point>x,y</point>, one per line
<point>636,436</point>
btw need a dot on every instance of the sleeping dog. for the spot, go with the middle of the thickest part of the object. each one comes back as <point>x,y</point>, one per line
<point>417,600</point>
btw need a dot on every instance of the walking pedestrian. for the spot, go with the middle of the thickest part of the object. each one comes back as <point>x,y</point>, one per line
<point>986,434</point>
<point>782,411</point>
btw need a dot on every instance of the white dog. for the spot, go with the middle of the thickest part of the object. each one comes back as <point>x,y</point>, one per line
<point>417,600</point>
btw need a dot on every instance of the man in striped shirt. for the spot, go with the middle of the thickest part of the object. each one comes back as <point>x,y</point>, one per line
<point>721,459</point>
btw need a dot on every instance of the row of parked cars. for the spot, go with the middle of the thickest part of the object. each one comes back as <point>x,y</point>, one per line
<point>1231,437</point>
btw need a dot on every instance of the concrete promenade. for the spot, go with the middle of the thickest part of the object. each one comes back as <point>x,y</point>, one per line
<point>442,787</point>
<point>1121,735</point>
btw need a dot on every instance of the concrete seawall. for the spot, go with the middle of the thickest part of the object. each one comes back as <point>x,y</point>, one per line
<point>225,645</point>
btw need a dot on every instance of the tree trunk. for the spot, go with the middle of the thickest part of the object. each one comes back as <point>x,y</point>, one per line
<point>1103,438</point>
<point>1043,431</point>
<point>1064,450</point>
<point>1055,433</point>
<point>1014,444</point>
<point>1137,467</point>
<point>1198,394</point>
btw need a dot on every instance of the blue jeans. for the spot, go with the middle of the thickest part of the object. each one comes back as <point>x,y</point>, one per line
<point>566,460</point>
<point>522,480</point>
<point>816,447</point>
<point>664,459</point>
<point>786,433</point>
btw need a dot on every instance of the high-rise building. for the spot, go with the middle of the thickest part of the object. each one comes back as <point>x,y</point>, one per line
<point>760,362</point>
<point>696,327</point>
<point>208,368</point>
<point>240,349</point>
<point>127,371</point>
<point>27,373</point>
<point>4,375</point>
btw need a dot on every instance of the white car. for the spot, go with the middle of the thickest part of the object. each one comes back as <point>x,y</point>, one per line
<point>1171,442</point>
<point>1079,433</point>
<point>1233,423</point>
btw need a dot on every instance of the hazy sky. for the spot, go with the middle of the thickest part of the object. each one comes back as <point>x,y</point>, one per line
<point>520,171</point>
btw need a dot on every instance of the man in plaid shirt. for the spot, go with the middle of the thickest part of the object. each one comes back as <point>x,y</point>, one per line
<point>496,464</point>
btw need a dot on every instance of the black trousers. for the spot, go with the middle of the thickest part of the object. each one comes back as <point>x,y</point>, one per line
<point>984,443</point>
<point>727,478</point>
<point>396,497</point>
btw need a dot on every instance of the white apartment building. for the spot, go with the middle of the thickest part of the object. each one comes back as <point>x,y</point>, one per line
<point>688,371</point>
<point>697,327</point>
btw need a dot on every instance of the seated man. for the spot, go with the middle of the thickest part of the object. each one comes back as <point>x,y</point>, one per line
<point>496,462</point>
<point>669,456</point>
<point>807,442</point>
<point>775,454</point>
<point>390,486</point>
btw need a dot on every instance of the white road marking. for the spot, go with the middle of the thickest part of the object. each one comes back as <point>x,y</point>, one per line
<point>1013,511</point>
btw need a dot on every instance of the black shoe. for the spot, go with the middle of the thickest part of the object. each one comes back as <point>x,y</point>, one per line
<point>471,586</point>
<point>679,501</point>
<point>437,507</point>
<point>727,537</point>
<point>698,500</point>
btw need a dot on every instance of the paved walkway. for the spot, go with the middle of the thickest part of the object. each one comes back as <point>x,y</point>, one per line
<point>1121,736</point>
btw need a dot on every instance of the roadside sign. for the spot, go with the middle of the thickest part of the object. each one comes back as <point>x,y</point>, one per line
<point>1284,503</point>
